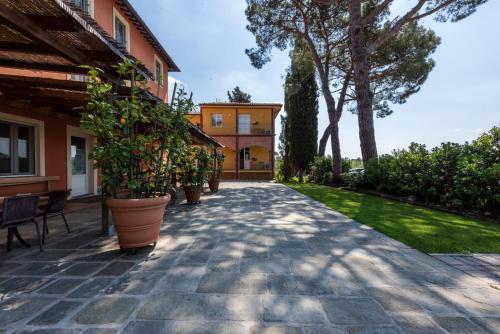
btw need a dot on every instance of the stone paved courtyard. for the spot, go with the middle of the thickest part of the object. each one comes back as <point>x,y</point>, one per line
<point>254,258</point>
<point>485,266</point>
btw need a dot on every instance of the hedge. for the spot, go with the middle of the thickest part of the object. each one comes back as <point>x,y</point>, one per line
<point>463,177</point>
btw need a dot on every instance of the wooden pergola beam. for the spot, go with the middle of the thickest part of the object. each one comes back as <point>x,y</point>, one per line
<point>49,23</point>
<point>42,67</point>
<point>34,31</point>
<point>31,49</point>
<point>30,82</point>
<point>25,48</point>
<point>59,112</point>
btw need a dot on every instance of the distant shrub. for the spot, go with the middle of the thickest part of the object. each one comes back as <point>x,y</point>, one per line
<point>321,169</point>
<point>465,177</point>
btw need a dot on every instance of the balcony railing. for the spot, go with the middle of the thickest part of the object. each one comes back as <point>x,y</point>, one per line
<point>261,132</point>
<point>259,166</point>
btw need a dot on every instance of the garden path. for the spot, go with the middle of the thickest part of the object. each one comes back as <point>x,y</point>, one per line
<point>253,258</point>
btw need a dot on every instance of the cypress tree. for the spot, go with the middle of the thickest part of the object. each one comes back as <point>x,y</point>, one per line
<point>284,150</point>
<point>301,105</point>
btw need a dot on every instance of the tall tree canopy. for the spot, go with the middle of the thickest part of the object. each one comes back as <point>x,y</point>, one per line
<point>323,27</point>
<point>238,96</point>
<point>397,70</point>
<point>362,14</point>
<point>301,106</point>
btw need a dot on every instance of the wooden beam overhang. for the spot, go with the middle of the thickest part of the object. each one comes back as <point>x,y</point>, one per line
<point>34,31</point>
<point>25,48</point>
<point>52,35</point>
<point>43,67</point>
<point>201,138</point>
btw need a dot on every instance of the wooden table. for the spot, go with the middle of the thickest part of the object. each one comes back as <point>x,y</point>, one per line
<point>41,201</point>
<point>24,180</point>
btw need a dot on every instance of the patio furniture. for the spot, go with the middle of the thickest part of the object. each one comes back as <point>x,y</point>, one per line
<point>54,208</point>
<point>42,199</point>
<point>17,211</point>
<point>46,181</point>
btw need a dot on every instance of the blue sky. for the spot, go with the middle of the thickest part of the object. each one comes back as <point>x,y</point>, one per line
<point>460,99</point>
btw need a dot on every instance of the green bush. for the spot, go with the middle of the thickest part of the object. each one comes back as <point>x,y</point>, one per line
<point>355,180</point>
<point>465,177</point>
<point>321,169</point>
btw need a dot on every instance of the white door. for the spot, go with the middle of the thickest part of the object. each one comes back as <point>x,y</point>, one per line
<point>79,168</point>
<point>245,162</point>
<point>244,124</point>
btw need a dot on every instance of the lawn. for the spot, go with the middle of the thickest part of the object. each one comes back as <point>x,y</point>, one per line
<point>427,230</point>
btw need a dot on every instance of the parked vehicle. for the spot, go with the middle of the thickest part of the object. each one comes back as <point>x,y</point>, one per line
<point>356,171</point>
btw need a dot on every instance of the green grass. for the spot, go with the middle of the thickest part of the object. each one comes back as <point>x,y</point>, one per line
<point>427,230</point>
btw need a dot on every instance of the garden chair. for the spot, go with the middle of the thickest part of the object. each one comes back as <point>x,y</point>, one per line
<point>54,207</point>
<point>17,211</point>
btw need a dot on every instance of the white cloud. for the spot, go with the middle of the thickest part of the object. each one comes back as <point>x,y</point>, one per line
<point>481,130</point>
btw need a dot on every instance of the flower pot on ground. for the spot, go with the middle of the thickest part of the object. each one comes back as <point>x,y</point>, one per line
<point>193,194</point>
<point>139,142</point>
<point>138,221</point>
<point>213,184</point>
<point>216,172</point>
<point>195,169</point>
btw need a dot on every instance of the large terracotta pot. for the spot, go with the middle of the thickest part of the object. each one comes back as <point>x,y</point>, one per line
<point>213,184</point>
<point>193,194</point>
<point>137,221</point>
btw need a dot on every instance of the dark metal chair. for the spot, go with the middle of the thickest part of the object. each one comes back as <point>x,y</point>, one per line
<point>54,207</point>
<point>17,211</point>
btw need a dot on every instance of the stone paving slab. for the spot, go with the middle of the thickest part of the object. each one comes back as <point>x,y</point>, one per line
<point>253,258</point>
<point>107,310</point>
<point>483,266</point>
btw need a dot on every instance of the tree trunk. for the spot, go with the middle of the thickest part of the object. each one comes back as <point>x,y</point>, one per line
<point>323,141</point>
<point>334,134</point>
<point>334,126</point>
<point>330,106</point>
<point>336,156</point>
<point>364,95</point>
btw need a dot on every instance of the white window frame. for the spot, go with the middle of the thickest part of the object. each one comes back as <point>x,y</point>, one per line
<point>157,80</point>
<point>91,8</point>
<point>216,124</point>
<point>244,130</point>
<point>90,4</point>
<point>117,15</point>
<point>39,136</point>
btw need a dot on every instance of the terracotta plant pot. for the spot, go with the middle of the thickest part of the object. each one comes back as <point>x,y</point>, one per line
<point>193,194</point>
<point>214,185</point>
<point>137,221</point>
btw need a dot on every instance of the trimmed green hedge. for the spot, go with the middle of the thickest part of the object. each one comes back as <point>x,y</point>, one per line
<point>464,177</point>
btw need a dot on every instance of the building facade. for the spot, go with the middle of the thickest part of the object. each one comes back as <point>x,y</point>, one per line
<point>247,131</point>
<point>43,43</point>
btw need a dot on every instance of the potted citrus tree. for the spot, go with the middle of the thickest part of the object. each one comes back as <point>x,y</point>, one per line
<point>135,137</point>
<point>217,170</point>
<point>195,169</point>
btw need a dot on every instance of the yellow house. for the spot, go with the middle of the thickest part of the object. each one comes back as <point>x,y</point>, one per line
<point>247,132</point>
